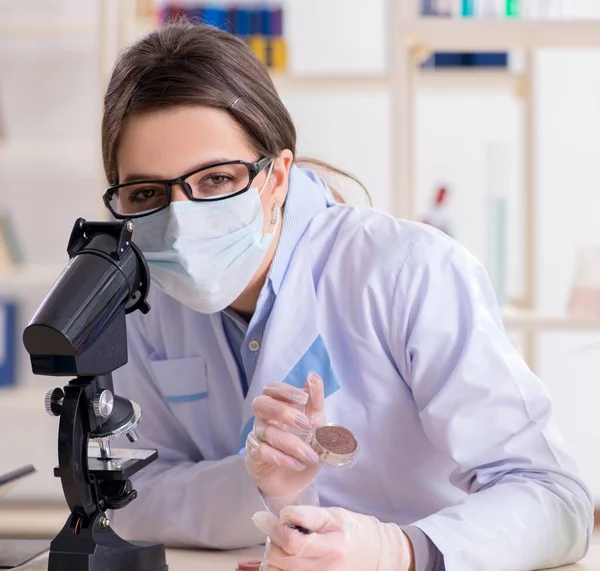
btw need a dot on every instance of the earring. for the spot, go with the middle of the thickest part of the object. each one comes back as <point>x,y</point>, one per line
<point>275,214</point>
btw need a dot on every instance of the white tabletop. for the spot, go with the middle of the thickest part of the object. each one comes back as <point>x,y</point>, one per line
<point>48,521</point>
<point>181,560</point>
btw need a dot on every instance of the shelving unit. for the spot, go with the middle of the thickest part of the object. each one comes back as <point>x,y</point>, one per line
<point>413,37</point>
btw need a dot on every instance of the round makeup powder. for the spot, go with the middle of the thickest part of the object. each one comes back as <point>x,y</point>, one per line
<point>336,439</point>
<point>248,566</point>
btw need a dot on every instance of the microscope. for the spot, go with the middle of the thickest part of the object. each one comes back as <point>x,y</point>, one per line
<point>79,331</point>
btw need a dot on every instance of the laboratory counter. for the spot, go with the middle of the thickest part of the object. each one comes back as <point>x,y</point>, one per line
<point>180,560</point>
<point>42,522</point>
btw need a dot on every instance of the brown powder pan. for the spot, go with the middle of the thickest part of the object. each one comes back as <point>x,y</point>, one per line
<point>335,445</point>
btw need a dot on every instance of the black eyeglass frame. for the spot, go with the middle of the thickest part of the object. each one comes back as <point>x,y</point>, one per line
<point>254,170</point>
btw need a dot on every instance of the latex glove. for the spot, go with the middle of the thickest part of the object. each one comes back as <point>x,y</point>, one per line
<point>340,541</point>
<point>278,457</point>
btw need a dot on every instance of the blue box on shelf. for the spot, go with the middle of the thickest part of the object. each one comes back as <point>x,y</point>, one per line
<point>489,59</point>
<point>8,343</point>
<point>462,60</point>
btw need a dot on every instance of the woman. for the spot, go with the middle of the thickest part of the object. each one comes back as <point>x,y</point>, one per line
<point>262,279</point>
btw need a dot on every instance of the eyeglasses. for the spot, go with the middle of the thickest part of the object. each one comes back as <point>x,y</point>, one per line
<point>208,184</point>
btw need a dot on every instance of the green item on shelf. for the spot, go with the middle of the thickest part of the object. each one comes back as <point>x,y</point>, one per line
<point>512,8</point>
<point>8,239</point>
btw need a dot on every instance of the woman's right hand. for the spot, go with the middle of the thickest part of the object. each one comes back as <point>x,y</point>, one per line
<point>277,455</point>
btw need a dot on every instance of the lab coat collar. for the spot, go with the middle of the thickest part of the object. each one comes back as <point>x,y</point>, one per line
<point>292,344</point>
<point>307,196</point>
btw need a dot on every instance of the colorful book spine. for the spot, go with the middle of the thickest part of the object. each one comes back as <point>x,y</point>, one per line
<point>259,36</point>
<point>278,46</point>
<point>258,23</point>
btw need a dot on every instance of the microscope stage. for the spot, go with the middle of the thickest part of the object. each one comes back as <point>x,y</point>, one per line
<point>121,465</point>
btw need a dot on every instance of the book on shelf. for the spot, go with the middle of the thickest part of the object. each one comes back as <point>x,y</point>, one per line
<point>8,343</point>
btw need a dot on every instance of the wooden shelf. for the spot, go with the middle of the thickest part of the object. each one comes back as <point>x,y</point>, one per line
<point>429,78</point>
<point>501,35</point>
<point>32,28</point>
<point>476,79</point>
<point>529,320</point>
<point>43,150</point>
<point>329,83</point>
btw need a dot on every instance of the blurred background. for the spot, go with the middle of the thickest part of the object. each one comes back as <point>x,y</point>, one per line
<point>481,117</point>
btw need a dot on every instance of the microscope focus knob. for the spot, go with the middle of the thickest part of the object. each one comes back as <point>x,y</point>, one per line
<point>54,401</point>
<point>103,404</point>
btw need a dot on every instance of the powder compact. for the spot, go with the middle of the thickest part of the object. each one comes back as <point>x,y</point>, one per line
<point>335,445</point>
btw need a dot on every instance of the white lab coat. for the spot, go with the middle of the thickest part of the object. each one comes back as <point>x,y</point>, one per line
<point>456,434</point>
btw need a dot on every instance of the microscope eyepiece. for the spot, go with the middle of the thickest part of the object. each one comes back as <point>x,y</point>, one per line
<point>79,329</point>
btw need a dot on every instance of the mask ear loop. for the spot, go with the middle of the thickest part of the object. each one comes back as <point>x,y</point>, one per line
<point>276,211</point>
<point>268,179</point>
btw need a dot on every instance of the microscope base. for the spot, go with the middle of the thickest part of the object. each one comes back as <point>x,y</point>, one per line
<point>97,549</point>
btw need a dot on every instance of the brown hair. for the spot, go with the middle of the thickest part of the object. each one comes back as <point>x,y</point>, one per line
<point>183,64</point>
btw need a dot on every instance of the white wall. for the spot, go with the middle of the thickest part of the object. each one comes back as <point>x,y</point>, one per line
<point>353,132</point>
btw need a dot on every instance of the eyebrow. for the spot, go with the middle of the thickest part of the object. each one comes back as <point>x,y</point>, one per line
<point>137,176</point>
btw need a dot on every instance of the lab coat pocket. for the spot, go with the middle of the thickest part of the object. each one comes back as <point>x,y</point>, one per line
<point>183,384</point>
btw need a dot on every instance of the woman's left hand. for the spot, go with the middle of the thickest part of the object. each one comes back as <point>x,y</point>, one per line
<point>341,540</point>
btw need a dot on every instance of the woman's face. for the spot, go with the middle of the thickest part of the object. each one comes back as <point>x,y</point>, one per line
<point>168,144</point>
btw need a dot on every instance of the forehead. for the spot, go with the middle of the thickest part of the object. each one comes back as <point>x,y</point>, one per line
<point>166,144</point>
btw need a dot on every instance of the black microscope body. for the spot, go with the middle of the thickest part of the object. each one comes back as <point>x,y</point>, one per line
<point>79,331</point>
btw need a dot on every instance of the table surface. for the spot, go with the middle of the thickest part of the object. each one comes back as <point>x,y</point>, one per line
<point>180,560</point>
<point>49,520</point>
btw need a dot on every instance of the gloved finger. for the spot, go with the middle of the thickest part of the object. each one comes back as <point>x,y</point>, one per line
<point>319,520</point>
<point>283,540</point>
<point>286,393</point>
<point>315,406</point>
<point>297,546</point>
<point>288,443</point>
<point>268,410</point>
<point>262,459</point>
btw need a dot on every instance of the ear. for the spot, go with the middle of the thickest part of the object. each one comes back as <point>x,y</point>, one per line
<point>280,176</point>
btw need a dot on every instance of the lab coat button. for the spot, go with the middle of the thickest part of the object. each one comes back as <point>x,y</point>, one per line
<point>254,345</point>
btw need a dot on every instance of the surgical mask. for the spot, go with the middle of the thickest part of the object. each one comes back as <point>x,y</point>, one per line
<point>204,254</point>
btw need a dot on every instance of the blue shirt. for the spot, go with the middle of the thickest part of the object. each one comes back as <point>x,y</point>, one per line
<point>245,339</point>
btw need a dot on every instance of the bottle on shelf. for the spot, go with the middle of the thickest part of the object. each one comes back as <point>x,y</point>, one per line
<point>437,216</point>
<point>584,296</point>
<point>513,8</point>
<point>489,9</point>
<point>467,8</point>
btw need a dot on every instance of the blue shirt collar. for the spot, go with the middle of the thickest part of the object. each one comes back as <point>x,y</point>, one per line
<point>307,196</point>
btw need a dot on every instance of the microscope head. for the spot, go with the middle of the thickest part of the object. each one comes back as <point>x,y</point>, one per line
<point>79,329</point>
